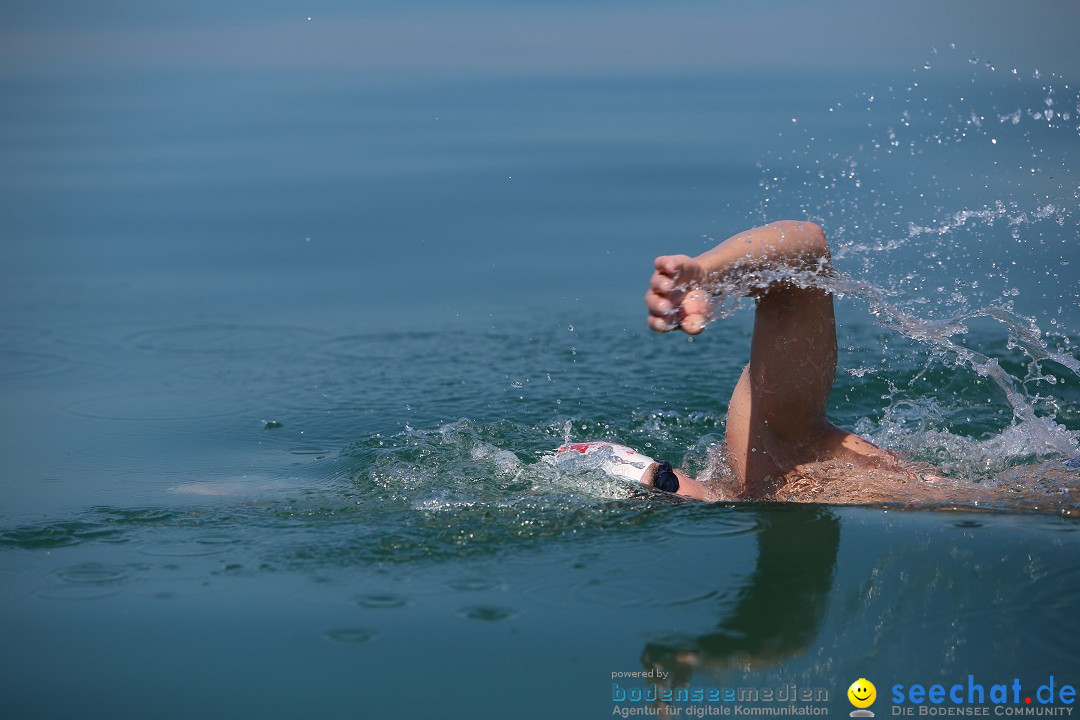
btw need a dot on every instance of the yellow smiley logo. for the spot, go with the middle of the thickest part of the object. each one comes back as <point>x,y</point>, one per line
<point>862,693</point>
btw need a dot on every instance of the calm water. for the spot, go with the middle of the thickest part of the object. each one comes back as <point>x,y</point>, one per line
<point>295,310</point>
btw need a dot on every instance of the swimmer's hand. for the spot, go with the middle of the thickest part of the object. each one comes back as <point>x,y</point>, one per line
<point>676,298</point>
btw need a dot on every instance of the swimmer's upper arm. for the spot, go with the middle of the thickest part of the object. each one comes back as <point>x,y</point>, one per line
<point>792,361</point>
<point>793,350</point>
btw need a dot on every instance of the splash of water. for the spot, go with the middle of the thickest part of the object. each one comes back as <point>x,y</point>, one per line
<point>952,207</point>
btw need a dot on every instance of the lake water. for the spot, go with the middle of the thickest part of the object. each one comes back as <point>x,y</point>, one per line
<point>295,310</point>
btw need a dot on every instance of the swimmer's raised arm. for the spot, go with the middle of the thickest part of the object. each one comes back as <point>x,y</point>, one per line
<point>677,298</point>
<point>779,444</point>
<point>776,415</point>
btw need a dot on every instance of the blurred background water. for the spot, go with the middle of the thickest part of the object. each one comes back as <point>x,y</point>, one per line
<point>297,296</point>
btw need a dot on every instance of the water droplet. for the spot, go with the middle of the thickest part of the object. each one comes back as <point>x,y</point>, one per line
<point>570,328</point>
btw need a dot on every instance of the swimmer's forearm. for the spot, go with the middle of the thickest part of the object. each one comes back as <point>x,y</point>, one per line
<point>678,295</point>
<point>790,243</point>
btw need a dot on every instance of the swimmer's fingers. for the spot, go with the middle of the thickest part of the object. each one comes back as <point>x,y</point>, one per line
<point>675,276</point>
<point>664,297</point>
<point>677,265</point>
<point>661,325</point>
<point>691,314</point>
<point>662,313</point>
<point>694,324</point>
<point>694,312</point>
<point>658,304</point>
<point>662,284</point>
<point>690,324</point>
<point>675,299</point>
<point>696,303</point>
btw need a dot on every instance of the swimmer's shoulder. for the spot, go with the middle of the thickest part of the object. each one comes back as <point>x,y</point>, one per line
<point>836,443</point>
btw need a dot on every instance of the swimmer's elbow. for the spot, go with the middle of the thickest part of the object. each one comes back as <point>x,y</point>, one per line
<point>806,238</point>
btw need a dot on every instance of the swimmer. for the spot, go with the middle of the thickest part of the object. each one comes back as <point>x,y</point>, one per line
<point>779,443</point>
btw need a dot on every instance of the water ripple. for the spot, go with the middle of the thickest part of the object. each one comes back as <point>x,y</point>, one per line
<point>84,581</point>
<point>222,338</point>
<point>488,613</point>
<point>351,635</point>
<point>182,549</point>
<point>22,364</point>
<point>382,601</point>
<point>715,521</point>
<point>155,406</point>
